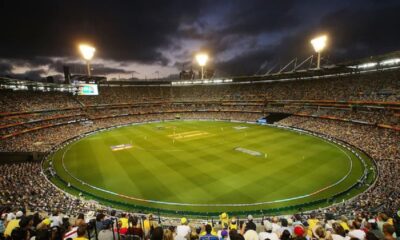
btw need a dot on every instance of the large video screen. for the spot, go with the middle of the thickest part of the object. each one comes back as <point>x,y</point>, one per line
<point>88,89</point>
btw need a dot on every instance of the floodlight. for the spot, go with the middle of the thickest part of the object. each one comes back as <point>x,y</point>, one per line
<point>202,59</point>
<point>87,51</point>
<point>319,44</point>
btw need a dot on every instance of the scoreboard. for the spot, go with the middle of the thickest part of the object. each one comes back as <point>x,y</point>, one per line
<point>88,89</point>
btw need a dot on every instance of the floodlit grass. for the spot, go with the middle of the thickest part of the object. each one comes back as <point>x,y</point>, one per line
<point>196,162</point>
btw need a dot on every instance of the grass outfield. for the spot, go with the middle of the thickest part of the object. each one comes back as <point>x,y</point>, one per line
<point>207,166</point>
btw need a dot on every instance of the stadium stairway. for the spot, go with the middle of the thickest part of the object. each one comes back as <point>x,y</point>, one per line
<point>77,100</point>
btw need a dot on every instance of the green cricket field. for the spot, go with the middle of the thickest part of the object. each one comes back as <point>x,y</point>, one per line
<point>208,166</point>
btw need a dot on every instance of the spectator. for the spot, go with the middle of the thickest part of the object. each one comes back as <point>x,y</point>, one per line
<point>285,235</point>
<point>134,228</point>
<point>374,229</point>
<point>285,226</point>
<point>99,221</point>
<point>356,232</point>
<point>183,229</point>
<point>299,233</point>
<point>55,219</point>
<point>81,232</point>
<point>233,224</point>
<point>276,228</point>
<point>371,236</point>
<point>382,219</point>
<point>168,235</point>
<point>22,231</point>
<point>208,235</point>
<point>224,235</point>
<point>319,232</point>
<point>338,231</point>
<point>344,223</point>
<point>268,234</point>
<point>106,233</point>
<point>80,220</point>
<point>157,234</point>
<point>388,231</point>
<point>224,219</point>
<point>148,225</point>
<point>43,230</point>
<point>12,224</point>
<point>250,229</point>
<point>312,222</point>
<point>123,224</point>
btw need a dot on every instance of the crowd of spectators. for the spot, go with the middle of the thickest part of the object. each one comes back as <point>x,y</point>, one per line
<point>382,86</point>
<point>381,144</point>
<point>109,225</point>
<point>36,116</point>
<point>224,97</point>
<point>34,124</point>
<point>22,186</point>
<point>30,126</point>
<point>22,101</point>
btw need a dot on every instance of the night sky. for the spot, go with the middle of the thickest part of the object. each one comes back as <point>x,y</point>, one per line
<point>147,39</point>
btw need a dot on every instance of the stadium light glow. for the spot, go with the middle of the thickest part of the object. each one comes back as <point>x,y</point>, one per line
<point>367,65</point>
<point>319,43</point>
<point>208,81</point>
<point>390,62</point>
<point>202,59</point>
<point>87,52</point>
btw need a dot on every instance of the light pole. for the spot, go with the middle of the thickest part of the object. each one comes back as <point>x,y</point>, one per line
<point>87,52</point>
<point>319,44</point>
<point>202,59</point>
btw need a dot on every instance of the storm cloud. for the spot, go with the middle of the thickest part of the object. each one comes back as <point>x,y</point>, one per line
<point>242,37</point>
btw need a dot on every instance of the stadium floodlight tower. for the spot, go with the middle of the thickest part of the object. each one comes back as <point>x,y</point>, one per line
<point>319,44</point>
<point>202,59</point>
<point>87,52</point>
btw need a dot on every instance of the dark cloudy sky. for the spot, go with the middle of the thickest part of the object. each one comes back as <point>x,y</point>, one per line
<point>145,39</point>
